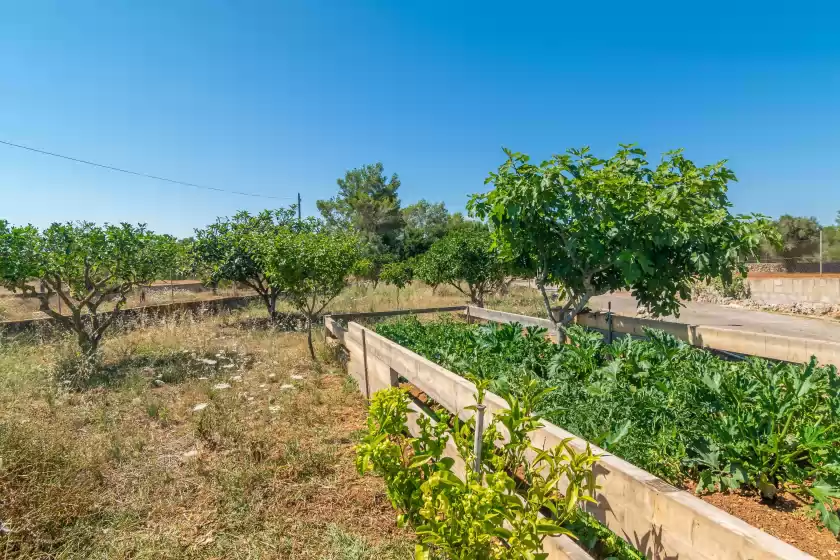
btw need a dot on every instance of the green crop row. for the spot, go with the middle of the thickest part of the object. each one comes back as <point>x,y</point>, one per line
<point>674,410</point>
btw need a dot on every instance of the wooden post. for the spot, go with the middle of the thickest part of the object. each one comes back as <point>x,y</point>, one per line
<point>479,437</point>
<point>364,358</point>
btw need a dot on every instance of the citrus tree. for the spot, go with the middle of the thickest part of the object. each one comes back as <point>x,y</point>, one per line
<point>310,267</point>
<point>591,226</point>
<point>83,266</point>
<point>224,251</point>
<point>398,274</point>
<point>467,260</point>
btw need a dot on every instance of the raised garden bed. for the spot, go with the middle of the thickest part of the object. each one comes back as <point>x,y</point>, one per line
<point>676,411</point>
<point>655,517</point>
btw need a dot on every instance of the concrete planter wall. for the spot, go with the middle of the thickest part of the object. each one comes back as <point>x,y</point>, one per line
<point>655,517</point>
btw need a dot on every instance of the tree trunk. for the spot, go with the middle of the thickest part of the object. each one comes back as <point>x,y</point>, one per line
<point>88,345</point>
<point>309,336</point>
<point>272,305</point>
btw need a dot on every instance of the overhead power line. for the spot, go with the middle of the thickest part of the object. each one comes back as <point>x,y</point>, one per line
<point>137,173</point>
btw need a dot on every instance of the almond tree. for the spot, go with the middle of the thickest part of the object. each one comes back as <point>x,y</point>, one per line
<point>83,266</point>
<point>591,226</point>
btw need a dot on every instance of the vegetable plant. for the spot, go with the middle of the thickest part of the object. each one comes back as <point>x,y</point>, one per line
<point>776,428</point>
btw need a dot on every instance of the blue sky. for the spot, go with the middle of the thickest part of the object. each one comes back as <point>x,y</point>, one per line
<point>279,98</point>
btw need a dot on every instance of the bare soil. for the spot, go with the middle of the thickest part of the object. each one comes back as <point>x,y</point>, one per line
<point>787,518</point>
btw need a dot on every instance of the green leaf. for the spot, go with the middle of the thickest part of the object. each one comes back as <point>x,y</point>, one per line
<point>546,527</point>
<point>419,460</point>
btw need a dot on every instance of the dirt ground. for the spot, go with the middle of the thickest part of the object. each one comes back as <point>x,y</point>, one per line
<point>787,519</point>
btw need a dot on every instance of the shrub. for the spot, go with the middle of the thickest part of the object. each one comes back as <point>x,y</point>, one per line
<point>461,516</point>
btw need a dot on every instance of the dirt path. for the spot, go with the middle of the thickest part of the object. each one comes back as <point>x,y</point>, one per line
<point>714,315</point>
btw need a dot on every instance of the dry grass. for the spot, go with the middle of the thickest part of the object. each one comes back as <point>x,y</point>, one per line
<point>128,469</point>
<point>365,298</point>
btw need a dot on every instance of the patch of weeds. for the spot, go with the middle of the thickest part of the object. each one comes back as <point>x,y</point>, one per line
<point>171,367</point>
<point>244,490</point>
<point>349,384</point>
<point>342,545</point>
<point>305,462</point>
<point>77,372</point>
<point>117,449</point>
<point>47,484</point>
<point>218,425</point>
<point>330,353</point>
<point>158,411</point>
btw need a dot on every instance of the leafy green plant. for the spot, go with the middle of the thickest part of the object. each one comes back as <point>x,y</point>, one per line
<point>479,514</point>
<point>776,428</point>
<point>399,274</point>
<point>310,267</point>
<point>224,251</point>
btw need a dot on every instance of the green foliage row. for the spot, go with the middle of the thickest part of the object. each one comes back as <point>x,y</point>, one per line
<point>494,512</point>
<point>676,411</point>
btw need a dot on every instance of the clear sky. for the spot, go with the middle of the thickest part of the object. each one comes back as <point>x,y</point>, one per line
<point>276,98</point>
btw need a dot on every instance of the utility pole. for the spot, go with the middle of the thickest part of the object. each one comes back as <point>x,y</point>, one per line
<point>821,256</point>
<point>299,218</point>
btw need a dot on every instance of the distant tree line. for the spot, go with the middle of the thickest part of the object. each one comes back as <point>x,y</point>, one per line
<point>800,241</point>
